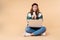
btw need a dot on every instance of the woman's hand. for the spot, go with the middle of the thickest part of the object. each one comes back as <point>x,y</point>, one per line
<point>33,16</point>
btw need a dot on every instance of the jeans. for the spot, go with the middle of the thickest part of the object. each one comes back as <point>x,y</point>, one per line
<point>36,30</point>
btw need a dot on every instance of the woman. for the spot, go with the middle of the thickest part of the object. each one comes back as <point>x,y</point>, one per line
<point>34,14</point>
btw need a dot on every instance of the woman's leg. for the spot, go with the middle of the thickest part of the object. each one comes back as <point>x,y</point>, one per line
<point>40,31</point>
<point>29,30</point>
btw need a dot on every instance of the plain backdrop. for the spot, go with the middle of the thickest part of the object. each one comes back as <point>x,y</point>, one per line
<point>13,17</point>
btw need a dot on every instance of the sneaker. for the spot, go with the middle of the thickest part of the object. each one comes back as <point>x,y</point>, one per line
<point>27,34</point>
<point>44,34</point>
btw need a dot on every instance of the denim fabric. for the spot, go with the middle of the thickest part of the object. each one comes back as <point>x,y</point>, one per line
<point>35,30</point>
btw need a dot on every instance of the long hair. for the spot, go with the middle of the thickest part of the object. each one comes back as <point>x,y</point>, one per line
<point>37,11</point>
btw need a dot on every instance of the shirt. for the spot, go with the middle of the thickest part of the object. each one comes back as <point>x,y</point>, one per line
<point>29,16</point>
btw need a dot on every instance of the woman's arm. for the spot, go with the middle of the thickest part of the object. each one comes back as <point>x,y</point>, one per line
<point>40,16</point>
<point>29,17</point>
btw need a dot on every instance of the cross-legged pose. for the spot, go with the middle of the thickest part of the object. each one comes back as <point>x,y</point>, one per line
<point>34,14</point>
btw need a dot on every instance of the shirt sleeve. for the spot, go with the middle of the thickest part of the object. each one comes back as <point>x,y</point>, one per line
<point>40,16</point>
<point>29,16</point>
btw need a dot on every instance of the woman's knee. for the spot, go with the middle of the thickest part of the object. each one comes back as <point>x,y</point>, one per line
<point>27,29</point>
<point>44,28</point>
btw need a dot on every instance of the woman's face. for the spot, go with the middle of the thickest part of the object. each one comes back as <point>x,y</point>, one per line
<point>35,8</point>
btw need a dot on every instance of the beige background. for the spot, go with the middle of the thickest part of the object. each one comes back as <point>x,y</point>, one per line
<point>13,19</point>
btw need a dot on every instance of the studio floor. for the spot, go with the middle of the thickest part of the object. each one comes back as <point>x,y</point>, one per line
<point>14,35</point>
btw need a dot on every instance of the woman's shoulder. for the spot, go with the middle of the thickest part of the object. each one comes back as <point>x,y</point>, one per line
<point>29,14</point>
<point>39,12</point>
<point>40,15</point>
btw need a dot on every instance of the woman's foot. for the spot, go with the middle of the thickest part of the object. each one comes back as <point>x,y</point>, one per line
<point>44,34</point>
<point>28,34</point>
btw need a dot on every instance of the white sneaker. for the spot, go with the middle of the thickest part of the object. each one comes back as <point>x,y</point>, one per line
<point>27,34</point>
<point>44,34</point>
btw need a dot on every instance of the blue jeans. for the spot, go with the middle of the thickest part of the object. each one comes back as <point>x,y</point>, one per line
<point>35,30</point>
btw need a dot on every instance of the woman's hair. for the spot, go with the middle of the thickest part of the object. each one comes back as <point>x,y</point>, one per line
<point>37,11</point>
